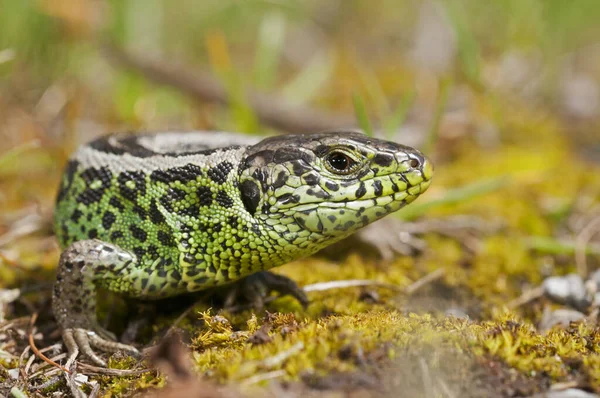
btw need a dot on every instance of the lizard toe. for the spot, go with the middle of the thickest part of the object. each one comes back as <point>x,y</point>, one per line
<point>284,286</point>
<point>82,338</point>
<point>70,343</point>
<point>111,346</point>
<point>255,289</point>
<point>78,340</point>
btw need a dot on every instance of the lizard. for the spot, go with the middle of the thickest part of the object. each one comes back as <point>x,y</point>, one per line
<point>155,215</point>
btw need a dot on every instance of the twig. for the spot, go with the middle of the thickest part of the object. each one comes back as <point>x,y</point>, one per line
<point>527,296</point>
<point>322,286</point>
<point>32,358</point>
<point>95,391</point>
<point>564,385</point>
<point>71,383</point>
<point>427,279</point>
<point>276,360</point>
<point>34,348</point>
<point>21,357</point>
<point>43,371</point>
<point>581,242</point>
<point>29,363</point>
<point>27,225</point>
<point>263,376</point>
<point>8,261</point>
<point>49,383</point>
<point>270,109</point>
<point>91,369</point>
<point>15,323</point>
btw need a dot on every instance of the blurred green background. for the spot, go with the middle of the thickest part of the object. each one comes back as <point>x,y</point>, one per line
<point>394,55</point>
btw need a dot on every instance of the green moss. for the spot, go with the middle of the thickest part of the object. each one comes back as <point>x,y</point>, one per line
<point>341,334</point>
<point>331,344</point>
<point>114,386</point>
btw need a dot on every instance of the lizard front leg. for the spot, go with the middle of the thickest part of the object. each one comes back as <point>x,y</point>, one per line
<point>82,267</point>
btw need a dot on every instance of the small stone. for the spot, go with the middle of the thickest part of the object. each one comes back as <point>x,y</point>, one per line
<point>14,373</point>
<point>595,277</point>
<point>568,289</point>
<point>560,317</point>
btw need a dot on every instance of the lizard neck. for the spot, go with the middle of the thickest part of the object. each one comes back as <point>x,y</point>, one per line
<point>225,241</point>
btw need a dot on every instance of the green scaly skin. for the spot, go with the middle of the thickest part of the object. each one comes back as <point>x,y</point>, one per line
<point>152,216</point>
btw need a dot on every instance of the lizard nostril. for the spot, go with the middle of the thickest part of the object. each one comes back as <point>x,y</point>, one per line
<point>414,163</point>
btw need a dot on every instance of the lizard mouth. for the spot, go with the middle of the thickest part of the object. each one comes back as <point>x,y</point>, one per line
<point>340,218</point>
<point>404,197</point>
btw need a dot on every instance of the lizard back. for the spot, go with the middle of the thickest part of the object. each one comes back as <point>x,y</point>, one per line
<point>160,196</point>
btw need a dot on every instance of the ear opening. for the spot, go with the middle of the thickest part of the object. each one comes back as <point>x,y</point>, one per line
<point>250,192</point>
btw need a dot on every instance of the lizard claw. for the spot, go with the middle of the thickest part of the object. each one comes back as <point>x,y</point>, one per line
<point>256,287</point>
<point>81,340</point>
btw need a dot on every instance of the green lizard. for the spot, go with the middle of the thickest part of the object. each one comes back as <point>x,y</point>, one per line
<point>152,216</point>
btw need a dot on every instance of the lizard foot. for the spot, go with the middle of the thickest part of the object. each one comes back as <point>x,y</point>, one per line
<point>82,340</point>
<point>256,288</point>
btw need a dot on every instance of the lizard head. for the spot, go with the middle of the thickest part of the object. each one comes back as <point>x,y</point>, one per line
<point>329,184</point>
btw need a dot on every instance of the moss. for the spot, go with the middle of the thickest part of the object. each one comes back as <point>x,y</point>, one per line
<point>340,334</point>
<point>115,386</point>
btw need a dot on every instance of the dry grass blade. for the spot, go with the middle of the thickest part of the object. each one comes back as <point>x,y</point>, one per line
<point>91,369</point>
<point>258,378</point>
<point>52,381</point>
<point>15,323</point>
<point>27,225</point>
<point>43,370</point>
<point>427,279</point>
<point>527,297</point>
<point>95,391</point>
<point>276,360</point>
<point>32,358</point>
<point>584,237</point>
<point>35,349</point>
<point>12,263</point>
<point>72,384</point>
<point>322,286</point>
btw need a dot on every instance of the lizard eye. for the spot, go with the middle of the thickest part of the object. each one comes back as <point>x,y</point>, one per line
<point>340,163</point>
